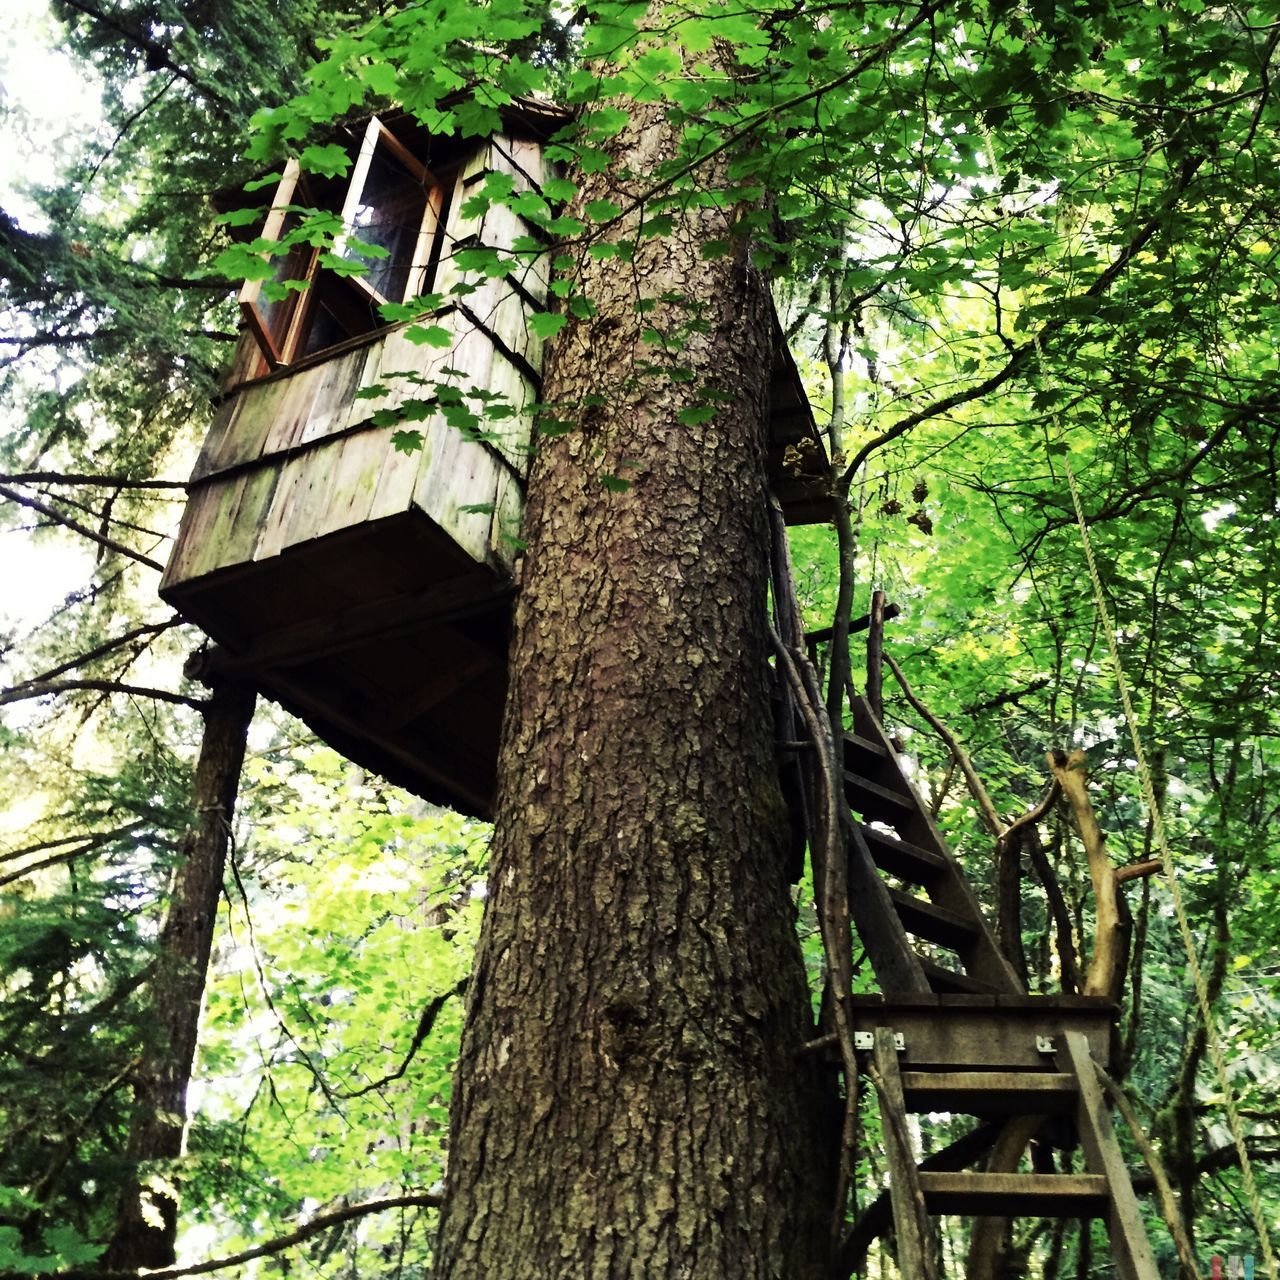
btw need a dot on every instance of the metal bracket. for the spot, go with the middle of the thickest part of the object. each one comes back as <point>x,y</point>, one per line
<point>1044,1044</point>
<point>866,1040</point>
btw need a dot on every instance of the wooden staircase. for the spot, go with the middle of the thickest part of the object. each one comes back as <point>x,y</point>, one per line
<point>955,1032</point>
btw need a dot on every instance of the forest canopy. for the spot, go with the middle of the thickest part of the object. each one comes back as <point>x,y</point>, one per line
<point>1012,246</point>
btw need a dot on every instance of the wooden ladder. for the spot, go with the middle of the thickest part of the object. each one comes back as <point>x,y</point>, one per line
<point>956,1032</point>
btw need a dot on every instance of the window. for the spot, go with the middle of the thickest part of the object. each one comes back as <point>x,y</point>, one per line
<point>392,203</point>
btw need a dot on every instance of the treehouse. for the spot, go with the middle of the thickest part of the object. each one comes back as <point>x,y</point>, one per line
<point>369,589</point>
<point>366,588</point>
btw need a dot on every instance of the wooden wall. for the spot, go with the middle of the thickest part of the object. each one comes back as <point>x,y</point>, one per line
<point>297,456</point>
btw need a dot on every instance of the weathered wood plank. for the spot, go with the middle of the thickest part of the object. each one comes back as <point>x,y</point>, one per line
<point>340,376</point>
<point>223,423</point>
<point>871,909</point>
<point>512,435</point>
<point>357,464</point>
<point>462,474</point>
<point>1041,1195</point>
<point>950,1033</point>
<point>990,1092</point>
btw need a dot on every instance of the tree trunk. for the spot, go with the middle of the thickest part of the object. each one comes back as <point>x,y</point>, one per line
<point>147,1220</point>
<point>630,1100</point>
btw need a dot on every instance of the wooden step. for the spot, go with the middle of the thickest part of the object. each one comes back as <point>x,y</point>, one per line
<point>864,752</point>
<point>948,982</point>
<point>1008,1195</point>
<point>907,861</point>
<point>874,801</point>
<point>990,1093</point>
<point>933,923</point>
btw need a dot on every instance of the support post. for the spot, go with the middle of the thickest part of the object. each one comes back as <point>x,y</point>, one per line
<point>1129,1244</point>
<point>875,656</point>
<point>910,1219</point>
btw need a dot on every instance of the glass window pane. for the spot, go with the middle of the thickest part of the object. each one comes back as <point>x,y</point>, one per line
<point>388,215</point>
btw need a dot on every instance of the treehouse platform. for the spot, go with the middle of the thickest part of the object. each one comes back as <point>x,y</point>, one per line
<point>367,589</point>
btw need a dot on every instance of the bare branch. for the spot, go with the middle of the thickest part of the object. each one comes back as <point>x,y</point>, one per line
<point>426,1022</point>
<point>107,646</point>
<point>981,797</point>
<point>322,1222</point>
<point>26,691</point>
<point>101,539</point>
<point>97,482</point>
<point>1029,350</point>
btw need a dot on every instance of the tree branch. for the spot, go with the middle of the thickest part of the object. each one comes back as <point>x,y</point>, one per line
<point>97,482</point>
<point>424,1199</point>
<point>24,692</point>
<point>1024,354</point>
<point>425,1024</point>
<point>101,539</point>
<point>100,651</point>
<point>981,797</point>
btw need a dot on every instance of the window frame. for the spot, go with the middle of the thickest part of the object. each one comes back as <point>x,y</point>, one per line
<point>279,339</point>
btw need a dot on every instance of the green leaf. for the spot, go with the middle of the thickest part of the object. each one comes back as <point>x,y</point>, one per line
<point>559,189</point>
<point>432,335</point>
<point>407,441</point>
<point>697,414</point>
<point>602,210</point>
<point>328,159</point>
<point>546,324</point>
<point>615,484</point>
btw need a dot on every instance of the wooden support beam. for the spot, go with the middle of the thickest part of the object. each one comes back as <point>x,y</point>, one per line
<point>1039,1195</point>
<point>433,687</point>
<point>984,1093</point>
<point>410,760</point>
<point>910,1217</point>
<point>1129,1244</point>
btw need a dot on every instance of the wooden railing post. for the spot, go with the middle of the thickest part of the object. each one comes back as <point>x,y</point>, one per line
<point>875,656</point>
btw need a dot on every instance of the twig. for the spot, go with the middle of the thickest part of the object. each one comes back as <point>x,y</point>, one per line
<point>425,1024</point>
<point>979,793</point>
<point>1136,870</point>
<point>100,651</point>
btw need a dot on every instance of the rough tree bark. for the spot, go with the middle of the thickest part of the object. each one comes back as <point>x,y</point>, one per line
<point>630,1100</point>
<point>146,1224</point>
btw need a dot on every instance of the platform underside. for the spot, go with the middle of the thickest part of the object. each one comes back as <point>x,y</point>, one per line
<point>386,639</point>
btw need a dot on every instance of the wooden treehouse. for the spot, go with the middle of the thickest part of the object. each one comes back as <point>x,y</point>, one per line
<point>369,591</point>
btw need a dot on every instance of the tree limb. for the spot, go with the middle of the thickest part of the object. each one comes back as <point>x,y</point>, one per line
<point>98,482</point>
<point>322,1222</point>
<point>1029,350</point>
<point>101,539</point>
<point>1105,973</point>
<point>24,692</point>
<point>100,651</point>
<point>981,797</point>
<point>426,1022</point>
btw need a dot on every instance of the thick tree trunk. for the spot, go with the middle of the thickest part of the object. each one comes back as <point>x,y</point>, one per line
<point>148,1215</point>
<point>630,1100</point>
